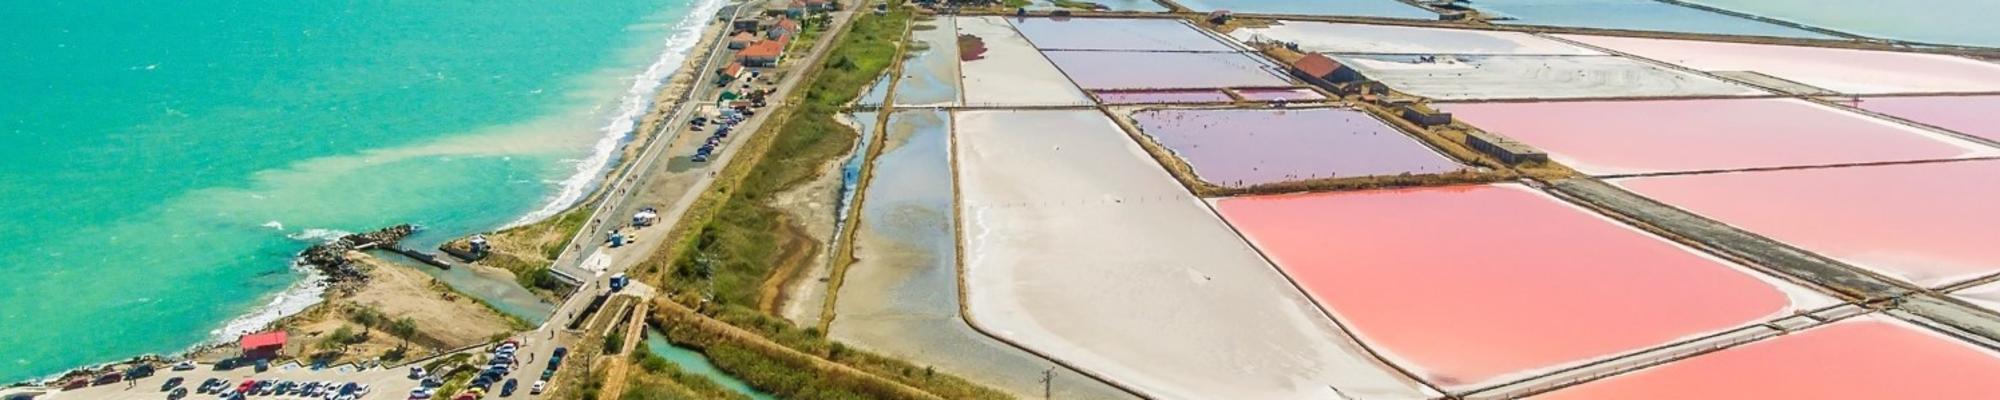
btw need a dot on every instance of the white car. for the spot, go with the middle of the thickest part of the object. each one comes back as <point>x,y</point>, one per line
<point>537,389</point>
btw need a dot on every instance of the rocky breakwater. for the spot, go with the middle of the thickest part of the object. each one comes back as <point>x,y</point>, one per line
<point>333,261</point>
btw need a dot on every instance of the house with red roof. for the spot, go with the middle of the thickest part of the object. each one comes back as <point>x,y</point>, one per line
<point>1324,71</point>
<point>783,28</point>
<point>762,54</point>
<point>262,345</point>
<point>741,40</point>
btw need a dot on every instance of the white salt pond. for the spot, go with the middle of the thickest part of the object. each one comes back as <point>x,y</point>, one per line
<point>1841,70</point>
<point>1537,77</point>
<point>1002,69</point>
<point>1327,37</point>
<point>1149,34</point>
<point>1080,246</point>
<point>900,297</point>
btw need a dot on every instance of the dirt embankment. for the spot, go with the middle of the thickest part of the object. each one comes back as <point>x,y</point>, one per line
<point>400,313</point>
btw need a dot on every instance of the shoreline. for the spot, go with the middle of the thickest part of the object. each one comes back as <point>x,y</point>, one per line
<point>651,94</point>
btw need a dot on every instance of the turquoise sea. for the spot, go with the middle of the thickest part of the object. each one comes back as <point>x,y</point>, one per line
<point>165,160</point>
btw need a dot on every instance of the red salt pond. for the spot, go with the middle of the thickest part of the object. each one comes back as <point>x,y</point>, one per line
<point>1162,96</point>
<point>1931,224</point>
<point>1473,286</point>
<point>1867,358</point>
<point>1971,115</point>
<point>1636,137</point>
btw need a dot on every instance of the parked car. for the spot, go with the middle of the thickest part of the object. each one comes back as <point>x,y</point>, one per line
<point>246,386</point>
<point>184,366</point>
<point>507,389</point>
<point>171,383</point>
<point>539,385</point>
<point>177,394</point>
<point>108,377</point>
<point>417,372</point>
<point>139,371</point>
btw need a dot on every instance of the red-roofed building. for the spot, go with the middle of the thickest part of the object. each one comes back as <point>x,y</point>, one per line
<point>762,54</point>
<point>785,27</point>
<point>1323,71</point>
<point>742,40</point>
<point>728,73</point>
<point>262,345</point>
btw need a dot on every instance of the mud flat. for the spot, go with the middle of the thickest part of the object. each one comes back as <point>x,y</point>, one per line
<point>1079,246</point>
<point>901,295</point>
<point>1115,70</point>
<point>931,77</point>
<point>1639,15</point>
<point>1365,8</point>
<point>1536,77</point>
<point>1842,70</point>
<point>1640,137</point>
<point>1249,147</point>
<point>1327,37</point>
<point>1930,224</point>
<point>1863,358</point>
<point>1002,69</point>
<point>1522,264</point>
<point>1971,115</point>
<point>1141,34</point>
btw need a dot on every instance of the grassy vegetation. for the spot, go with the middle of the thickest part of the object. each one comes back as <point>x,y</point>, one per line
<point>729,241</point>
<point>788,372</point>
<point>812,341</point>
<point>1015,3</point>
<point>736,247</point>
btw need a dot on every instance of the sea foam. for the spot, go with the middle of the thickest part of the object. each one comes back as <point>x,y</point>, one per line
<point>630,109</point>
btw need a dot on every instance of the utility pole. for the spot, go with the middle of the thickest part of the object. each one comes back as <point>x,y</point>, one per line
<point>1048,376</point>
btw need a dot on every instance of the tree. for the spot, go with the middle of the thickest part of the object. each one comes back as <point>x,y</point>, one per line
<point>338,340</point>
<point>404,328</point>
<point>367,317</point>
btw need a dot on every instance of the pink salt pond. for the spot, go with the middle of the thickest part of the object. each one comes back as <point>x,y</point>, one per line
<point>1162,96</point>
<point>1247,147</point>
<point>1639,137</point>
<point>1971,115</point>
<point>1932,224</point>
<point>1868,358</point>
<point>1473,286</point>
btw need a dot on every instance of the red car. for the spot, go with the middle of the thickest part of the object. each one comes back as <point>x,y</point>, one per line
<point>246,386</point>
